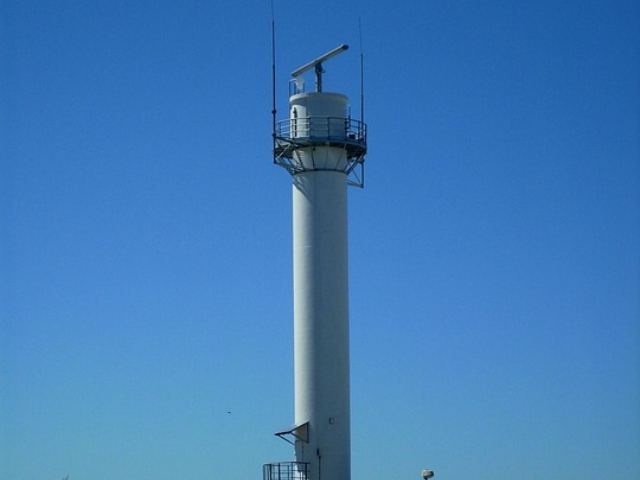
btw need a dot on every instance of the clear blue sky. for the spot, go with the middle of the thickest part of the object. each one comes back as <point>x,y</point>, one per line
<point>146,272</point>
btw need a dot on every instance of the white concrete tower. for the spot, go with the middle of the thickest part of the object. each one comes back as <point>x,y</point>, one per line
<point>323,149</point>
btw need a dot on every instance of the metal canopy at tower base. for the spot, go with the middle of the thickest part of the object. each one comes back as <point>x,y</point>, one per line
<point>299,433</point>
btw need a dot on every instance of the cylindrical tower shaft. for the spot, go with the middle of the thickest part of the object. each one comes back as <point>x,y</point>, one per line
<point>321,321</point>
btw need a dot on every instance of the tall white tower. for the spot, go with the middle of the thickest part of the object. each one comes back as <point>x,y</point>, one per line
<point>323,149</point>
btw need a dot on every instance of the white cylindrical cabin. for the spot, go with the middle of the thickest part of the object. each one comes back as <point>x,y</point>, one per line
<point>318,117</point>
<point>321,289</point>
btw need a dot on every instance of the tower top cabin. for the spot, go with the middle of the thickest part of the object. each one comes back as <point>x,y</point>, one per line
<point>320,119</point>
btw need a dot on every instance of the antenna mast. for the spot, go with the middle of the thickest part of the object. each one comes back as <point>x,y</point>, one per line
<point>273,74</point>
<point>361,73</point>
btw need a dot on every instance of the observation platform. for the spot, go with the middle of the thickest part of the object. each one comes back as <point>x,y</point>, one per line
<point>296,140</point>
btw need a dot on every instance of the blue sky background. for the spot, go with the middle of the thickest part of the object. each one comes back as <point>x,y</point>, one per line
<point>145,275</point>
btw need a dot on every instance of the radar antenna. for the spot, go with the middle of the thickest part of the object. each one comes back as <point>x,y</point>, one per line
<point>317,65</point>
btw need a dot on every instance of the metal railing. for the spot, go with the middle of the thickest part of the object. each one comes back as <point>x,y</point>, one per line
<point>322,129</point>
<point>285,471</point>
<point>293,137</point>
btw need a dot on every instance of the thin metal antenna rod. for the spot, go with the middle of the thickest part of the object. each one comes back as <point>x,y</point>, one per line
<point>273,73</point>
<point>361,73</point>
